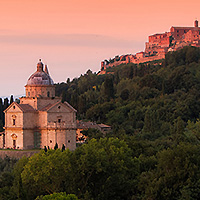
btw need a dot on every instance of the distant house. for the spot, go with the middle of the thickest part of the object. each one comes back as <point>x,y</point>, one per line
<point>80,138</point>
<point>104,128</point>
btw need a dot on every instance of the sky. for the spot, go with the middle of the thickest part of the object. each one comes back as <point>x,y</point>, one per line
<point>72,36</point>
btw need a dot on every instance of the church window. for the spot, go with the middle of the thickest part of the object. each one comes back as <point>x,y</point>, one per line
<point>59,120</point>
<point>48,94</point>
<point>13,121</point>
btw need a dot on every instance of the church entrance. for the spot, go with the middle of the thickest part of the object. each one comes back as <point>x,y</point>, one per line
<point>14,144</point>
<point>14,138</point>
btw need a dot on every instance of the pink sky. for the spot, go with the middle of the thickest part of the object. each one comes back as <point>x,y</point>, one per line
<point>74,36</point>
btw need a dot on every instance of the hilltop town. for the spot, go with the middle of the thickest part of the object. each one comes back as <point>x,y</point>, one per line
<point>158,45</point>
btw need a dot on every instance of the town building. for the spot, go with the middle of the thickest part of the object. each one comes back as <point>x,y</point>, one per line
<point>40,119</point>
<point>158,45</point>
<point>81,126</point>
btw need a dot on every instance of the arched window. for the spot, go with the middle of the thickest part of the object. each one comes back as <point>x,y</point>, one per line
<point>48,94</point>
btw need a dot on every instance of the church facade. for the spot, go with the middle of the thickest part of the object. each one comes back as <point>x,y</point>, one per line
<point>40,119</point>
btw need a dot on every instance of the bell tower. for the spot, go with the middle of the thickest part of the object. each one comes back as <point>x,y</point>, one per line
<point>196,24</point>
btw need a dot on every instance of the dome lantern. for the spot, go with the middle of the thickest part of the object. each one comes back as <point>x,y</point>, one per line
<point>40,66</point>
<point>40,84</point>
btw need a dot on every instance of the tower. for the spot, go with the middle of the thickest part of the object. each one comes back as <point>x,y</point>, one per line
<point>196,23</point>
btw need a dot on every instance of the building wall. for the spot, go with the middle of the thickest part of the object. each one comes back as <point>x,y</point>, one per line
<point>62,112</point>
<point>42,119</point>
<point>14,134</point>
<point>30,120</point>
<point>50,137</point>
<point>14,113</point>
<point>38,103</point>
<point>28,139</point>
<point>40,91</point>
<point>71,136</point>
<point>191,35</point>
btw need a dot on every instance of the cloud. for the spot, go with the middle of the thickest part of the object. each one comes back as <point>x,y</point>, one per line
<point>75,40</point>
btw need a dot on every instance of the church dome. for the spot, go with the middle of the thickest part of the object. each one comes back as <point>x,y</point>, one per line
<point>40,77</point>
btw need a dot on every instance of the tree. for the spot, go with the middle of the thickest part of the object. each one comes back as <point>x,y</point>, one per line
<point>45,148</point>
<point>46,173</point>
<point>58,196</point>
<point>56,146</point>
<point>68,80</point>
<point>176,176</point>
<point>104,170</point>
<point>1,109</point>
<point>108,89</point>
<point>125,94</point>
<point>11,99</point>
<point>63,147</point>
<point>17,183</point>
<point>6,104</point>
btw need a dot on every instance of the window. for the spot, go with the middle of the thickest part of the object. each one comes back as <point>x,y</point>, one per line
<point>59,120</point>
<point>58,107</point>
<point>50,141</point>
<point>48,94</point>
<point>29,94</point>
<point>13,121</point>
<point>13,107</point>
<point>68,141</point>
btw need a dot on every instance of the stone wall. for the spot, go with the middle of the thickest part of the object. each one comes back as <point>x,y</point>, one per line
<point>17,154</point>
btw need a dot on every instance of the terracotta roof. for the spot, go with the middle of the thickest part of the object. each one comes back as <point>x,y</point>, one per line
<point>70,106</point>
<point>104,126</point>
<point>26,108</point>
<point>176,27</point>
<point>45,108</point>
<point>86,125</point>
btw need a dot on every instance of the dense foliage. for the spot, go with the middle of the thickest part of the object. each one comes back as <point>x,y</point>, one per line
<point>152,152</point>
<point>146,98</point>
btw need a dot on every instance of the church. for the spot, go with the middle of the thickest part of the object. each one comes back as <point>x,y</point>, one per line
<point>40,119</point>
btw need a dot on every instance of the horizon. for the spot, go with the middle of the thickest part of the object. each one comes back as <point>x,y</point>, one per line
<point>72,37</point>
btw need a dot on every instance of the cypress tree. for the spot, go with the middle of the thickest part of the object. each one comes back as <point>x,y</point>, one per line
<point>11,99</point>
<point>45,148</point>
<point>5,103</point>
<point>63,147</point>
<point>1,109</point>
<point>56,146</point>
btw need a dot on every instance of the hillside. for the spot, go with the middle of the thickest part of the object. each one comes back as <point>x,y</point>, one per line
<point>152,151</point>
<point>134,97</point>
